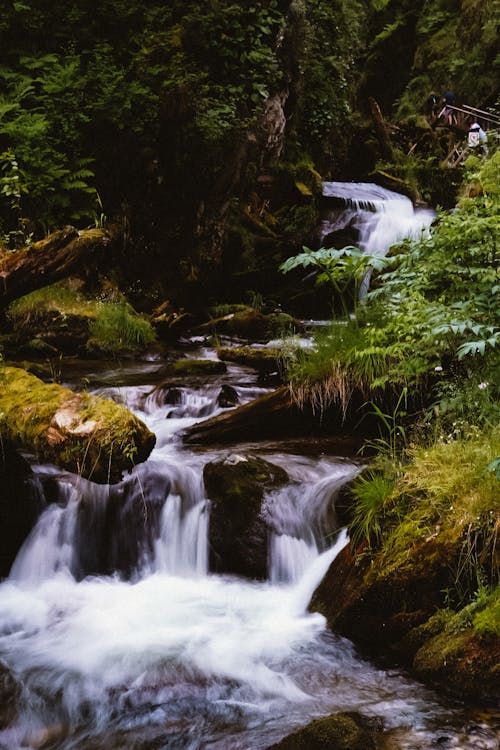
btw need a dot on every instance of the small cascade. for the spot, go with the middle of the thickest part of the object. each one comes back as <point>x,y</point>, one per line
<point>155,520</point>
<point>372,218</point>
<point>375,217</point>
<point>302,519</point>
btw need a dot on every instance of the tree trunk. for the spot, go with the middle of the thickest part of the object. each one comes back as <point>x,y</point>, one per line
<point>381,130</point>
<point>49,260</point>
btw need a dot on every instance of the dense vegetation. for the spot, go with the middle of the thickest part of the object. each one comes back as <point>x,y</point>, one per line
<point>157,115</point>
<point>423,348</point>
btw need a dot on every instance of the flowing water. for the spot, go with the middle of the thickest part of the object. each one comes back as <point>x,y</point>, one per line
<point>121,638</point>
<point>376,217</point>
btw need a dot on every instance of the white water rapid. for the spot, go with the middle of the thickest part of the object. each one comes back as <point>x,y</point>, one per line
<point>120,638</point>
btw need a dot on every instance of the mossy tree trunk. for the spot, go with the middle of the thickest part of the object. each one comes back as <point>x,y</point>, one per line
<point>47,261</point>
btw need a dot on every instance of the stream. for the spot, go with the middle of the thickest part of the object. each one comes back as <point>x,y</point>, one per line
<point>122,638</point>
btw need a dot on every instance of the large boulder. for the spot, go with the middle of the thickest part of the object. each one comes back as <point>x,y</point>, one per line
<point>238,532</point>
<point>398,611</point>
<point>342,731</point>
<point>377,607</point>
<point>90,436</point>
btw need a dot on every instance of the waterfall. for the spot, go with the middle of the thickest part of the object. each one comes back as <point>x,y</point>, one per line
<point>155,520</point>
<point>373,217</point>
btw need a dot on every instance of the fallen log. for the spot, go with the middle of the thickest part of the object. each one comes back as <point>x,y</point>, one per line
<point>277,416</point>
<point>47,261</point>
<point>90,436</point>
<point>269,416</point>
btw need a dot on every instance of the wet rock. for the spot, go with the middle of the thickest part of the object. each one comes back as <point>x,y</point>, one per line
<point>228,397</point>
<point>118,527</point>
<point>173,396</point>
<point>377,608</point>
<point>238,532</point>
<point>342,731</point>
<point>10,691</point>
<point>457,656</point>
<point>21,502</point>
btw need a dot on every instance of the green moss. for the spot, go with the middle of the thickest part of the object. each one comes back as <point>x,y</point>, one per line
<point>112,327</point>
<point>118,328</point>
<point>336,732</point>
<point>80,432</point>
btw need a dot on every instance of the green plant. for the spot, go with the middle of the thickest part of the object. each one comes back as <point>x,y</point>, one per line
<point>370,492</point>
<point>117,328</point>
<point>344,270</point>
<point>392,439</point>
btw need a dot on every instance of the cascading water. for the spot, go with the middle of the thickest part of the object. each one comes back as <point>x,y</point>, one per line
<point>375,217</point>
<point>119,638</point>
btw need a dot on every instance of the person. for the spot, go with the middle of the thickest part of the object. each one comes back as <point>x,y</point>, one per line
<point>449,101</point>
<point>477,137</point>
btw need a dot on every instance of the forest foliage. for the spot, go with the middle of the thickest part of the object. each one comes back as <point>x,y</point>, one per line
<point>124,104</point>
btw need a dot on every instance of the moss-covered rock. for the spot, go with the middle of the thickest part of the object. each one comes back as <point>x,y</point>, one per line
<point>427,543</point>
<point>60,319</point>
<point>253,325</point>
<point>263,360</point>
<point>238,532</point>
<point>377,606</point>
<point>342,731</point>
<point>91,436</point>
<point>457,649</point>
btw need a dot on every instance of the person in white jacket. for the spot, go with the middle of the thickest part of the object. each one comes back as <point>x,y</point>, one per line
<point>477,137</point>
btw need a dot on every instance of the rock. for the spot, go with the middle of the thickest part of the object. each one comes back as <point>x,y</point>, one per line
<point>341,731</point>
<point>115,533</point>
<point>263,360</point>
<point>53,333</point>
<point>10,691</point>
<point>376,607</point>
<point>185,367</point>
<point>90,436</point>
<point>238,532</point>
<point>465,661</point>
<point>21,501</point>
<point>252,325</point>
<point>228,397</point>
